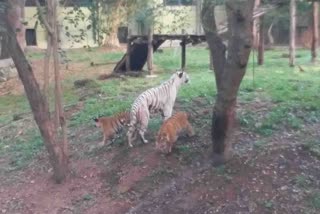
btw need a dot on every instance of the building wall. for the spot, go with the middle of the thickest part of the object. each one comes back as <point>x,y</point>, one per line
<point>164,24</point>
<point>66,27</point>
<point>188,18</point>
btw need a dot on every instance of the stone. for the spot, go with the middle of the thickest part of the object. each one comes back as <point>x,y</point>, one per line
<point>7,70</point>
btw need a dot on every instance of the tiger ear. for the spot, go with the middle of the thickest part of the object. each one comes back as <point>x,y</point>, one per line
<point>180,74</point>
<point>95,119</point>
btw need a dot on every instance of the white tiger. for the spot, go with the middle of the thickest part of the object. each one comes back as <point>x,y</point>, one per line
<point>160,98</point>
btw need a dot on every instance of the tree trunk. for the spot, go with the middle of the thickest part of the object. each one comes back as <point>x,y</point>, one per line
<point>150,50</point>
<point>38,104</point>
<point>261,42</point>
<point>315,30</point>
<point>15,17</point>
<point>112,39</point>
<point>59,112</point>
<point>198,16</point>
<point>255,29</point>
<point>292,48</point>
<point>270,37</point>
<point>229,70</point>
<point>46,71</point>
<point>114,21</point>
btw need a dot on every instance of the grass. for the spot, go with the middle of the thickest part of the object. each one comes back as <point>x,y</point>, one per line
<point>313,146</point>
<point>315,200</point>
<point>293,96</point>
<point>302,181</point>
<point>21,150</point>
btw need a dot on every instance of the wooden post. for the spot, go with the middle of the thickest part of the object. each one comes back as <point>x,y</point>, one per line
<point>183,53</point>
<point>292,48</point>
<point>315,30</point>
<point>128,51</point>
<point>150,50</point>
<point>261,42</point>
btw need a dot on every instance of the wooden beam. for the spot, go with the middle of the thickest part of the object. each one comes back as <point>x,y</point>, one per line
<point>261,42</point>
<point>315,30</point>
<point>183,53</point>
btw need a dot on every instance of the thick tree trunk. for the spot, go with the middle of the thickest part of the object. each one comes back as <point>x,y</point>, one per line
<point>39,105</point>
<point>315,30</point>
<point>229,70</point>
<point>15,16</point>
<point>292,48</point>
<point>114,21</point>
<point>112,39</point>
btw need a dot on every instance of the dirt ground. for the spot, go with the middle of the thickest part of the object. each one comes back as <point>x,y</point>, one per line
<point>278,177</point>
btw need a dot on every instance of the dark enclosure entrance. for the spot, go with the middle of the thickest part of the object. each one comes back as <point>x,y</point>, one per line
<point>122,34</point>
<point>31,37</point>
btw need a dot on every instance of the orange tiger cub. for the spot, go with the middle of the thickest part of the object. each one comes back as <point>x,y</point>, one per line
<point>112,126</point>
<point>171,129</point>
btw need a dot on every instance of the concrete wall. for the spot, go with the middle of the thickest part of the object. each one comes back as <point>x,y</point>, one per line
<point>63,16</point>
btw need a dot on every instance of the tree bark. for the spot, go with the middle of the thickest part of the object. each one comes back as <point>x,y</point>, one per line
<point>38,104</point>
<point>255,29</point>
<point>292,48</point>
<point>198,16</point>
<point>48,23</point>
<point>150,50</point>
<point>229,70</point>
<point>59,112</point>
<point>114,22</point>
<point>270,37</point>
<point>15,17</point>
<point>315,30</point>
<point>261,42</point>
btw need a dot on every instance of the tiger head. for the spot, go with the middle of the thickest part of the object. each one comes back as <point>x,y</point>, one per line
<point>97,122</point>
<point>182,76</point>
<point>161,143</point>
<point>124,118</point>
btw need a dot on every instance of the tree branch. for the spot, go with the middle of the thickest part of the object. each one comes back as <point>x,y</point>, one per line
<point>44,21</point>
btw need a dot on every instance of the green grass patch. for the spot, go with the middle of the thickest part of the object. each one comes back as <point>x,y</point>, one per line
<point>313,146</point>
<point>315,200</point>
<point>21,150</point>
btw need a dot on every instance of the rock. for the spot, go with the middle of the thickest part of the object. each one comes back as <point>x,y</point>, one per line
<point>7,70</point>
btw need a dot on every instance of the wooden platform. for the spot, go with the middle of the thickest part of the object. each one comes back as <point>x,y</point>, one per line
<point>138,50</point>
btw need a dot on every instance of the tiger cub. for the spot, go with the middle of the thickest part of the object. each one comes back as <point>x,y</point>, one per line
<point>170,131</point>
<point>112,126</point>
